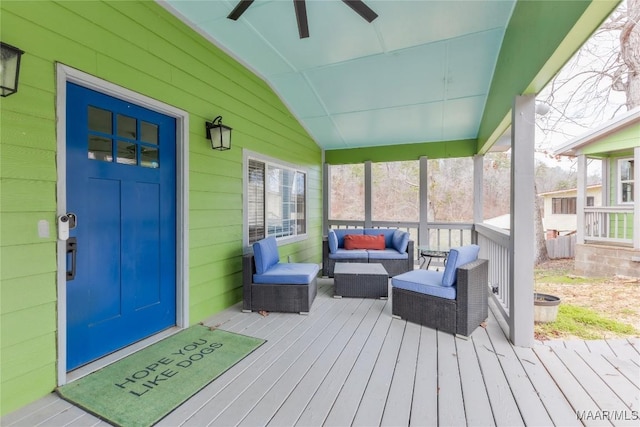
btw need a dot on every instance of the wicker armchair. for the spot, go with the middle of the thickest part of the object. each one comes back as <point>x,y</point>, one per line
<point>288,298</point>
<point>270,285</point>
<point>461,315</point>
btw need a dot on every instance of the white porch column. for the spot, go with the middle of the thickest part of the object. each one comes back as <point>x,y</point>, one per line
<point>478,190</point>
<point>636,198</point>
<point>423,230</point>
<point>581,197</point>
<point>367,194</point>
<point>522,221</point>
<point>326,187</point>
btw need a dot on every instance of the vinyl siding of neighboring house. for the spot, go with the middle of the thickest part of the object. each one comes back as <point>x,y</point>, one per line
<point>139,46</point>
<point>561,222</point>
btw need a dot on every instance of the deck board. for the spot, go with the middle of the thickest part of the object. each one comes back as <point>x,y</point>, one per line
<point>398,406</point>
<point>478,409</point>
<point>623,348</point>
<point>597,389</point>
<point>350,363</point>
<point>373,401</point>
<point>314,396</point>
<point>348,400</point>
<point>555,403</point>
<point>577,396</point>
<point>624,389</point>
<point>503,404</point>
<point>531,408</point>
<point>424,406</point>
<point>450,399</point>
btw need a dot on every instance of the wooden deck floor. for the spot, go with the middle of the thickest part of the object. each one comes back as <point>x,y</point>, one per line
<point>350,363</point>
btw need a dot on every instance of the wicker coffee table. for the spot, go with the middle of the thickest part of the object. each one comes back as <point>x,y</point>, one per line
<point>360,280</point>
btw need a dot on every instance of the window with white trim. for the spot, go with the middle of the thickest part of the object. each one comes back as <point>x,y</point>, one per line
<point>625,180</point>
<point>276,200</point>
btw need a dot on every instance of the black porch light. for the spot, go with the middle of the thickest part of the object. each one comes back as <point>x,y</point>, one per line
<point>9,68</point>
<point>219,134</point>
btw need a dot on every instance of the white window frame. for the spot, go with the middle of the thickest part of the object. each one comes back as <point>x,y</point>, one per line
<point>620,181</point>
<point>270,161</point>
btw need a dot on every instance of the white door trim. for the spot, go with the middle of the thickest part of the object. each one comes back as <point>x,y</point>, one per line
<point>66,74</point>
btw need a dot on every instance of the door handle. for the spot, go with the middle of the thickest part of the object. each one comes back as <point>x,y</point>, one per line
<point>72,249</point>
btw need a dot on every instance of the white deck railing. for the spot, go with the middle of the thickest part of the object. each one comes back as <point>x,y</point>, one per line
<point>494,245</point>
<point>609,224</point>
<point>441,235</point>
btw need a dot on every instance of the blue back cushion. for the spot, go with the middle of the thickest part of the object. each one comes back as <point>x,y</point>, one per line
<point>457,257</point>
<point>265,252</point>
<point>386,232</point>
<point>341,232</point>
<point>400,240</point>
<point>333,241</point>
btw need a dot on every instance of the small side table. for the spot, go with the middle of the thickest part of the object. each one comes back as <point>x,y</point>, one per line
<point>360,280</point>
<point>427,254</point>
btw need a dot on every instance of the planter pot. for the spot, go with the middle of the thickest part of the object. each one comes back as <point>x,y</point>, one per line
<point>545,308</point>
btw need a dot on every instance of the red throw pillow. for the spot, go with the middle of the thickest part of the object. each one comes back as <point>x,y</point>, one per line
<point>360,241</point>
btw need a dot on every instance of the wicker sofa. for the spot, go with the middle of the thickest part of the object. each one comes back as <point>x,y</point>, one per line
<point>397,256</point>
<point>454,301</point>
<point>273,286</point>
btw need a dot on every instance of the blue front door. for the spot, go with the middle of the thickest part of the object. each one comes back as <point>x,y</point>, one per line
<point>121,186</point>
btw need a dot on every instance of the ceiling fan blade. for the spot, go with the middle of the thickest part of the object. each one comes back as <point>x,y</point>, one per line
<point>301,17</point>
<point>362,9</point>
<point>239,9</point>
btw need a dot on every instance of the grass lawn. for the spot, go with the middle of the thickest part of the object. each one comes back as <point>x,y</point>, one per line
<point>591,308</point>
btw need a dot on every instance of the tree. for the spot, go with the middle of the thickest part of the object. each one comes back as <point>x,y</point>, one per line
<point>599,82</point>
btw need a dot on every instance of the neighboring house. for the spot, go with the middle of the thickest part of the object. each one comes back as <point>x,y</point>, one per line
<point>608,236</point>
<point>559,214</point>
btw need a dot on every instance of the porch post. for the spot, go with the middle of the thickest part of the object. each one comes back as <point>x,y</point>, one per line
<point>581,198</point>
<point>423,230</point>
<point>367,194</point>
<point>522,225</point>
<point>636,198</point>
<point>326,183</point>
<point>478,191</point>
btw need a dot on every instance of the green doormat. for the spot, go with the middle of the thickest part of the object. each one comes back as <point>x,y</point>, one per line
<point>144,387</point>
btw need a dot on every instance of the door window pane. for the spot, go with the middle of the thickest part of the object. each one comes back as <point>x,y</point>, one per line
<point>149,157</point>
<point>100,120</point>
<point>126,153</point>
<point>148,132</point>
<point>126,127</point>
<point>100,148</point>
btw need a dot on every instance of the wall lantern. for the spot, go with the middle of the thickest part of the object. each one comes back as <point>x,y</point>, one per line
<point>219,134</point>
<point>9,68</point>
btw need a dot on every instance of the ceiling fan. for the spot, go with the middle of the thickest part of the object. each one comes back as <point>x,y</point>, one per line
<point>301,13</point>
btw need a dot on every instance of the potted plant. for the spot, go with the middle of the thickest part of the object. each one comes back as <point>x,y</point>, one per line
<point>545,307</point>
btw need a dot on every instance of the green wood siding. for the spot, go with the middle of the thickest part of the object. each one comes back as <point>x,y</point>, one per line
<point>140,46</point>
<point>622,141</point>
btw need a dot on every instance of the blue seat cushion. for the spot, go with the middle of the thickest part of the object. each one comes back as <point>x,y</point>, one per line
<point>341,232</point>
<point>265,253</point>
<point>288,274</point>
<point>386,232</point>
<point>333,241</point>
<point>400,240</point>
<point>458,257</point>
<point>386,254</point>
<point>427,282</point>
<point>350,254</point>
